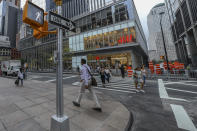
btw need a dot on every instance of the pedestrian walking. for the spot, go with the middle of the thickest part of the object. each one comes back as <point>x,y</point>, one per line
<point>122,70</point>
<point>107,74</point>
<point>143,70</point>
<point>86,84</point>
<point>102,74</point>
<point>137,77</point>
<point>20,77</point>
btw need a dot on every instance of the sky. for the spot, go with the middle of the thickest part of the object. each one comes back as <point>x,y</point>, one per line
<point>143,9</point>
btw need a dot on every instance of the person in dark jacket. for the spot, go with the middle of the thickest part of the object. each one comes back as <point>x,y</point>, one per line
<point>102,73</point>
<point>122,70</point>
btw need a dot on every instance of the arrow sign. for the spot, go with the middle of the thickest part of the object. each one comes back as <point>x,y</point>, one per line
<point>61,21</point>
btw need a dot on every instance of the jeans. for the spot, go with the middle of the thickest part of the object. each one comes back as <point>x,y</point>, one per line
<point>144,79</point>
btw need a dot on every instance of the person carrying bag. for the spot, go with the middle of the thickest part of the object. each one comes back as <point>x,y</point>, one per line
<point>87,80</point>
<point>93,80</point>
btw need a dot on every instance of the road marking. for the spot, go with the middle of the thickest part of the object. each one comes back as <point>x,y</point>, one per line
<point>163,93</point>
<point>76,83</point>
<point>169,83</point>
<point>63,79</point>
<point>117,86</point>
<point>114,90</point>
<point>123,88</point>
<point>182,90</point>
<point>182,118</point>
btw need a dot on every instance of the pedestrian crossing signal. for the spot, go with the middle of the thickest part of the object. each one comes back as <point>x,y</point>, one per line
<point>34,16</point>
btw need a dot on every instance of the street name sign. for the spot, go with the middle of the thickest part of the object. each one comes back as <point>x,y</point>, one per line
<point>61,21</point>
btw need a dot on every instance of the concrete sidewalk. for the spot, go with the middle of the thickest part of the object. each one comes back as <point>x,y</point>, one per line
<point>30,108</point>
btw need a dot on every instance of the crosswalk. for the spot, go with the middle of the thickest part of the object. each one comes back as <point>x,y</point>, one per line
<point>118,85</point>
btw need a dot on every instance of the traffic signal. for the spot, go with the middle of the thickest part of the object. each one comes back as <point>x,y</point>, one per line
<point>162,57</point>
<point>42,31</point>
<point>33,15</point>
<point>58,2</point>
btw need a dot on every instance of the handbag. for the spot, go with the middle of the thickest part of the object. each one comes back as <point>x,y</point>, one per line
<point>93,80</point>
<point>17,81</point>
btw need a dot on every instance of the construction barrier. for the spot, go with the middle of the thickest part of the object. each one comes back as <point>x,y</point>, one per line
<point>181,66</point>
<point>158,69</point>
<point>165,65</point>
<point>151,67</point>
<point>130,72</point>
<point>176,65</point>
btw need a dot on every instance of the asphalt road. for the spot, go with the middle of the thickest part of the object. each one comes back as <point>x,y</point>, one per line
<point>160,108</point>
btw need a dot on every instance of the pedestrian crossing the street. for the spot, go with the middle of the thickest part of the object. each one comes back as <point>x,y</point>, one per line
<point>118,85</point>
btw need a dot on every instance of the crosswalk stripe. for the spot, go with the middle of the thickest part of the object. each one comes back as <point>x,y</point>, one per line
<point>114,90</point>
<point>118,86</point>
<point>182,90</point>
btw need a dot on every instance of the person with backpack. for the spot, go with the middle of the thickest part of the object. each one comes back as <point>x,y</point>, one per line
<point>86,83</point>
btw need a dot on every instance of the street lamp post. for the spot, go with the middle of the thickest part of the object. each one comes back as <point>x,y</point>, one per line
<point>164,44</point>
<point>59,122</point>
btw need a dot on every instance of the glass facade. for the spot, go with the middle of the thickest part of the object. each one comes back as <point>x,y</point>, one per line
<point>103,18</point>
<point>110,36</point>
<point>111,60</point>
<point>113,38</point>
<point>41,57</point>
<point>115,35</point>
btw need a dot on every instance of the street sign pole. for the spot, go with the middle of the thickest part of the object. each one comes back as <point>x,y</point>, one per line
<point>59,72</point>
<point>59,122</point>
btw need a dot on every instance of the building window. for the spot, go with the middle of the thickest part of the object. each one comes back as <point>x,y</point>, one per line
<point>95,20</point>
<point>121,13</point>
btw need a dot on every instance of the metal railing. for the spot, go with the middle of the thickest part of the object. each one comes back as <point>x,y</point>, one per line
<point>174,75</point>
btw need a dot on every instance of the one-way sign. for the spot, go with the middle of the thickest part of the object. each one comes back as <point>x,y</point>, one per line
<point>61,21</point>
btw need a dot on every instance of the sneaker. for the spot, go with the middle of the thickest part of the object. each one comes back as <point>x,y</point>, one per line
<point>97,109</point>
<point>76,104</point>
<point>142,91</point>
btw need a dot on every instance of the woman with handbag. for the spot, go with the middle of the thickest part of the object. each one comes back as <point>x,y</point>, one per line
<point>20,77</point>
<point>87,80</point>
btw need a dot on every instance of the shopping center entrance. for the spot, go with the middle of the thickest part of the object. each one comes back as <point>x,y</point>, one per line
<point>112,60</point>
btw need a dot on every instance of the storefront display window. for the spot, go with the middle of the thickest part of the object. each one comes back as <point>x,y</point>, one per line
<point>110,60</point>
<point>112,38</point>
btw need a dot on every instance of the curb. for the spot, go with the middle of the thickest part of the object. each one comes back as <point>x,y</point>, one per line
<point>130,122</point>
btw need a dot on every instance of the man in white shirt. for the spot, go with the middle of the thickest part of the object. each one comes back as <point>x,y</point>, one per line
<point>86,84</point>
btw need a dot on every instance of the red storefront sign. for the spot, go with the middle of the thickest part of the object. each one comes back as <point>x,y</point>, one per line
<point>125,39</point>
<point>97,58</point>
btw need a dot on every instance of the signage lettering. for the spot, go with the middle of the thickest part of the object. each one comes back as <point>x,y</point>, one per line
<point>61,21</point>
<point>125,39</point>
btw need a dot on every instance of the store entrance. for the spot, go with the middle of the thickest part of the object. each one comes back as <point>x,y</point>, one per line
<point>113,61</point>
